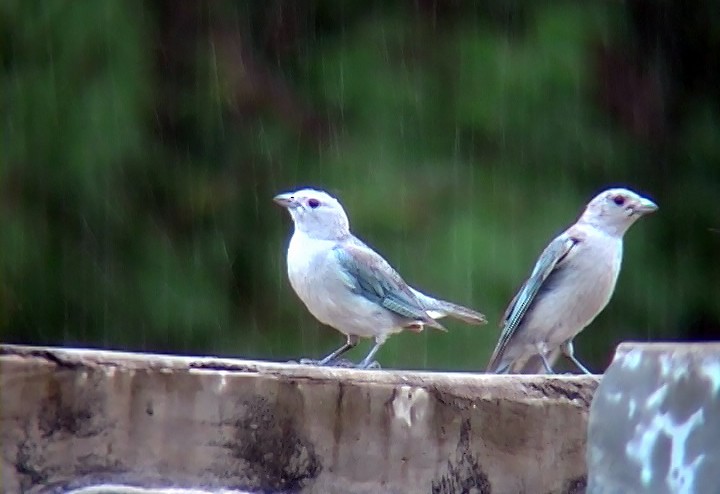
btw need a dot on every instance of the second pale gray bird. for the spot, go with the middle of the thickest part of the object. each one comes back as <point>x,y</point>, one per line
<point>570,285</point>
<point>347,285</point>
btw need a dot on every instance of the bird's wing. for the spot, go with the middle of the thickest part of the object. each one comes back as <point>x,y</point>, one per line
<point>550,259</point>
<point>368,274</point>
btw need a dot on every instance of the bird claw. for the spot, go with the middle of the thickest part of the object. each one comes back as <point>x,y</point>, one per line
<point>333,363</point>
<point>342,362</point>
<point>374,365</point>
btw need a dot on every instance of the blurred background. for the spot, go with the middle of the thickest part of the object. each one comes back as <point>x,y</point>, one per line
<point>143,141</point>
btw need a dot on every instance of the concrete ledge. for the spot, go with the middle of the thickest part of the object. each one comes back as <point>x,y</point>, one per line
<point>73,418</point>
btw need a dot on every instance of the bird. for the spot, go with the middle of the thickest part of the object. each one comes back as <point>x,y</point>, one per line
<point>347,285</point>
<point>570,284</point>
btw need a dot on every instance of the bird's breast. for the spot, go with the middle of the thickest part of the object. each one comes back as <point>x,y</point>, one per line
<point>577,292</point>
<point>306,261</point>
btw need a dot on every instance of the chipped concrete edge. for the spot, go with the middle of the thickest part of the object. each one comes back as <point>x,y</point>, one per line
<point>79,417</point>
<point>460,384</point>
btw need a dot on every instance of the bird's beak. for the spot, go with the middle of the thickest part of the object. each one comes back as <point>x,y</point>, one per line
<point>286,200</point>
<point>646,206</point>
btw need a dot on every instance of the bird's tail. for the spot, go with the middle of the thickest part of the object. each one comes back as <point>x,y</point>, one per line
<point>440,308</point>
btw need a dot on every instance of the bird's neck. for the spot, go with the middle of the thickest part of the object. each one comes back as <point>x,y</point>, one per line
<point>321,235</point>
<point>606,226</point>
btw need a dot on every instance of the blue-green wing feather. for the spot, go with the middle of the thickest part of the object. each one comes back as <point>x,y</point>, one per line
<point>370,276</point>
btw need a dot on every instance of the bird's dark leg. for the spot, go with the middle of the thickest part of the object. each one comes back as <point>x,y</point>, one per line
<point>367,362</point>
<point>352,340</point>
<point>542,351</point>
<point>546,364</point>
<point>569,351</point>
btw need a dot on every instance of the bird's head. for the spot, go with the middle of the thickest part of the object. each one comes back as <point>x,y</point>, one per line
<point>315,213</point>
<point>614,210</point>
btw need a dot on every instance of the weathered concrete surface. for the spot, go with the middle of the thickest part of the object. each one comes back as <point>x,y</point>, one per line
<point>655,421</point>
<point>71,418</point>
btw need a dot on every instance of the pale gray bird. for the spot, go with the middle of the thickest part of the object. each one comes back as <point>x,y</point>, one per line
<point>347,285</point>
<point>570,285</point>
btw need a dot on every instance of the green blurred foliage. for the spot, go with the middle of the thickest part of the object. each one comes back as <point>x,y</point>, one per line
<point>142,142</point>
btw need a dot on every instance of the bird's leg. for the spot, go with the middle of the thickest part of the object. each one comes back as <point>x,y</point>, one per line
<point>352,340</point>
<point>546,364</point>
<point>367,362</point>
<point>542,351</point>
<point>569,351</point>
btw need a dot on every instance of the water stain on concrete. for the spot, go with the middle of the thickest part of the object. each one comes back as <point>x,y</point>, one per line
<point>464,475</point>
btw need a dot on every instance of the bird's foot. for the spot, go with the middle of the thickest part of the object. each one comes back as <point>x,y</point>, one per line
<point>341,362</point>
<point>374,365</point>
<point>332,363</point>
<point>307,361</point>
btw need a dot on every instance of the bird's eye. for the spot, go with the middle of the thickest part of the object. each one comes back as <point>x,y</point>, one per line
<point>619,200</point>
<point>313,203</point>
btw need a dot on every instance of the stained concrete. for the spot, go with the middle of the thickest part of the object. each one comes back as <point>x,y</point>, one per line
<point>74,418</point>
<point>655,421</point>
